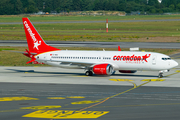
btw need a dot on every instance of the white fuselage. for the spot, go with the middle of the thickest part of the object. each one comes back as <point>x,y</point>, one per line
<point>120,60</point>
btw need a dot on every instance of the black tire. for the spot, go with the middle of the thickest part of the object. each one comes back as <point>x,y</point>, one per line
<point>89,73</point>
<point>160,75</point>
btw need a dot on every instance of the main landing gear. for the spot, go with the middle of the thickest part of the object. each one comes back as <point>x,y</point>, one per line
<point>89,73</point>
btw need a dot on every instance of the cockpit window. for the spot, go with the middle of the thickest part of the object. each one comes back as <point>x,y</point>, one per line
<point>166,58</point>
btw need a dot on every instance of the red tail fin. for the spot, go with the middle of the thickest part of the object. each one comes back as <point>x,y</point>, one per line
<point>35,42</point>
<point>119,49</point>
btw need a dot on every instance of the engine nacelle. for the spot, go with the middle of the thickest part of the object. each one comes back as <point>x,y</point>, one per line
<point>103,69</point>
<point>127,71</point>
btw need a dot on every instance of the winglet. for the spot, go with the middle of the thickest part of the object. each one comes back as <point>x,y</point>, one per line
<point>35,42</point>
<point>119,49</point>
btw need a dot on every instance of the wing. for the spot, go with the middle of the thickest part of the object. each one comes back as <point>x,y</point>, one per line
<point>72,63</point>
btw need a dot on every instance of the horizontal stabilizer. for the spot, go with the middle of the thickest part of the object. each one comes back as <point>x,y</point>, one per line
<point>20,52</point>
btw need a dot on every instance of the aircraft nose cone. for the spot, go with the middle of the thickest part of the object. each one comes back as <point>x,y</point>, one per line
<point>175,63</point>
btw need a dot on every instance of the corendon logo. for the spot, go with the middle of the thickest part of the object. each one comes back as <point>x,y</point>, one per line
<point>131,58</point>
<point>102,70</point>
<point>36,42</point>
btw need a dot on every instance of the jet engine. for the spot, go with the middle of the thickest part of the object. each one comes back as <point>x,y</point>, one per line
<point>103,69</point>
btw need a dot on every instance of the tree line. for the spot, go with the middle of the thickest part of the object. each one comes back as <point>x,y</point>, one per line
<point>13,7</point>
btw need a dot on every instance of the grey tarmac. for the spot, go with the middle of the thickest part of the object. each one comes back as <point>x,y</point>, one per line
<point>28,93</point>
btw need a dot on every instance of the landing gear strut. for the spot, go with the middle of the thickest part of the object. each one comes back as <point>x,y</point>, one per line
<point>89,73</point>
<point>160,74</point>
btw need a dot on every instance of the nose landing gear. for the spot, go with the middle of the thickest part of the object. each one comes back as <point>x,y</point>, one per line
<point>160,75</point>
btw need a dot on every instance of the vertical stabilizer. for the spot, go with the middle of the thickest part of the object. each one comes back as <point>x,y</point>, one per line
<point>35,42</point>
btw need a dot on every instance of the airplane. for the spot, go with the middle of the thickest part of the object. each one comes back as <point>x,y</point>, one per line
<point>94,62</point>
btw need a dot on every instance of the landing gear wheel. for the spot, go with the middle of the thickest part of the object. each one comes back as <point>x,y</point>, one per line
<point>160,75</point>
<point>89,73</point>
